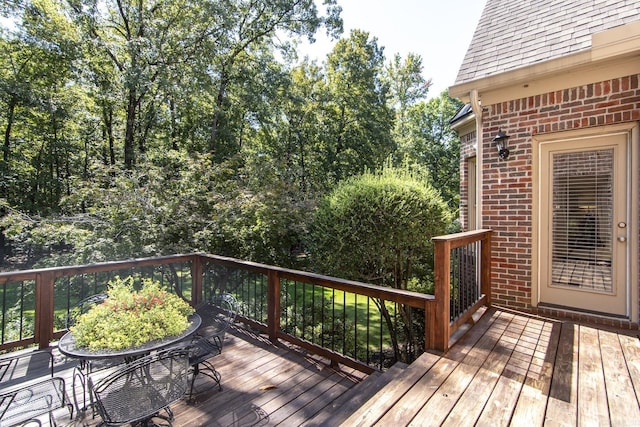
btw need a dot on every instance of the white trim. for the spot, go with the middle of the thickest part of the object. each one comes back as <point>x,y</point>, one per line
<point>614,54</point>
<point>634,217</point>
<point>633,236</point>
<point>477,110</point>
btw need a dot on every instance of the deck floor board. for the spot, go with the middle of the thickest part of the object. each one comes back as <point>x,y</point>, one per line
<point>509,369</point>
<point>526,370</point>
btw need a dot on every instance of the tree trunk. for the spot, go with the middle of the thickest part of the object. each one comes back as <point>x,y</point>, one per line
<point>7,134</point>
<point>3,247</point>
<point>108,119</point>
<point>215,124</point>
<point>392,332</point>
<point>129,139</point>
<point>408,330</point>
<point>174,124</point>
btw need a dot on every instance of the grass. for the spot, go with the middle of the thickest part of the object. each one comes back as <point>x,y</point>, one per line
<point>358,313</point>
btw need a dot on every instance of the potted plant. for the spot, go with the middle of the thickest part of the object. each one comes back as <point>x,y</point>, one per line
<point>130,318</point>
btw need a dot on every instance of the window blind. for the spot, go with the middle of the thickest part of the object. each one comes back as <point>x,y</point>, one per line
<point>582,219</point>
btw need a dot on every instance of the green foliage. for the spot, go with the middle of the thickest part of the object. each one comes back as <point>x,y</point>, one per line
<point>377,228</point>
<point>130,318</point>
<point>360,119</point>
<point>407,87</point>
<point>140,129</point>
<point>136,129</point>
<point>430,142</point>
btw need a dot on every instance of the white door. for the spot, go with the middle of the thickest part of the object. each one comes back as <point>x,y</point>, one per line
<point>584,224</point>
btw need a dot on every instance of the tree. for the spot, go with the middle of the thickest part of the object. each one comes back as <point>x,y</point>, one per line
<point>377,228</point>
<point>357,122</point>
<point>249,27</point>
<point>140,42</point>
<point>35,75</point>
<point>434,145</point>
<point>407,88</point>
<point>292,140</point>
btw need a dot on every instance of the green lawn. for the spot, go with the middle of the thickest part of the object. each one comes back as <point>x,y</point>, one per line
<point>359,313</point>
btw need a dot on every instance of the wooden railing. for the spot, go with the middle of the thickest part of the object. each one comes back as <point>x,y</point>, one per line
<point>462,281</point>
<point>39,294</point>
<point>278,301</point>
<point>277,287</point>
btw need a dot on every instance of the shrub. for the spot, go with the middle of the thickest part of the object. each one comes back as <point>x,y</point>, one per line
<point>377,228</point>
<point>130,318</point>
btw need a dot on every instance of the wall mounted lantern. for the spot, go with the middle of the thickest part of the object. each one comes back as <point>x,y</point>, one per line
<point>501,141</point>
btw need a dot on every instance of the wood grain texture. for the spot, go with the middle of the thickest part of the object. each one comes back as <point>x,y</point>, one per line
<point>508,369</point>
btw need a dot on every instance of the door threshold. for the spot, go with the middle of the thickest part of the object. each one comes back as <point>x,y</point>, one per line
<point>545,305</point>
<point>620,324</point>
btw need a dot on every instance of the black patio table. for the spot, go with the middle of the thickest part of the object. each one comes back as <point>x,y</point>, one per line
<point>67,346</point>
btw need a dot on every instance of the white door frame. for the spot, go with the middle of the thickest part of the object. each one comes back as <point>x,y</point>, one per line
<point>539,252</point>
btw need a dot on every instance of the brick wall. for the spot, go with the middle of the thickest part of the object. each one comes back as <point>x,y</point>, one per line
<point>507,186</point>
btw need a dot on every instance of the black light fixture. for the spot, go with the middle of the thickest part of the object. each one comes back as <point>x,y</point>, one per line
<point>501,140</point>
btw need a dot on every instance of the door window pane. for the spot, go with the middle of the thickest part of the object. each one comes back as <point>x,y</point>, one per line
<point>582,219</point>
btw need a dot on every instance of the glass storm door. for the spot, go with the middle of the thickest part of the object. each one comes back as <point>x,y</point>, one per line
<point>584,224</point>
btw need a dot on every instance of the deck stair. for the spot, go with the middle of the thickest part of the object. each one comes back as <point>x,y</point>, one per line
<point>351,401</point>
<point>368,407</point>
<point>407,389</point>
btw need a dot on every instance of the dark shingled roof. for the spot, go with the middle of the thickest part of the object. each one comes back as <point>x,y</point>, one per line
<point>517,33</point>
<point>463,112</point>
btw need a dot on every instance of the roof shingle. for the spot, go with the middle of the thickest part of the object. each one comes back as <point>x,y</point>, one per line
<point>513,34</point>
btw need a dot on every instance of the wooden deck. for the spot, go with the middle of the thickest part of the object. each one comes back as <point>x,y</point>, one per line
<point>509,369</point>
<point>517,370</point>
<point>262,384</point>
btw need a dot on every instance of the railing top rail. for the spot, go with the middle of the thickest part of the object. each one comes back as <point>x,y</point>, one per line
<point>410,298</point>
<point>461,239</point>
<point>6,277</point>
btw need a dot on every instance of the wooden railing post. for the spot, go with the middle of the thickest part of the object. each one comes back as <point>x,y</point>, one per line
<point>273,304</point>
<point>442,292</point>
<point>44,309</point>
<point>429,325</point>
<point>485,250</point>
<point>196,280</point>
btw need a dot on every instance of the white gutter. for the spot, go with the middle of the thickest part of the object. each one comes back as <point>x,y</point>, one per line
<point>477,110</point>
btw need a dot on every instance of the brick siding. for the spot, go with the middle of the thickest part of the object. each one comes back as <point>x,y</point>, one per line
<point>507,185</point>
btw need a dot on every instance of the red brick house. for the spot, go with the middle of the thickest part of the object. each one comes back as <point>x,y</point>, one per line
<point>560,78</point>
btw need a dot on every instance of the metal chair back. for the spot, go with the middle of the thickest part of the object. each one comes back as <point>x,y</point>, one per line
<point>143,389</point>
<point>82,307</point>
<point>29,390</point>
<point>217,315</point>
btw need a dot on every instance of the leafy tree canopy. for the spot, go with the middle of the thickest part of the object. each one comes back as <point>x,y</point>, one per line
<point>147,128</point>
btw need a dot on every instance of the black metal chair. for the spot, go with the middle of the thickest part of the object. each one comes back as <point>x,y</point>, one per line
<point>29,389</point>
<point>143,390</point>
<point>83,306</point>
<point>217,315</point>
<point>87,367</point>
